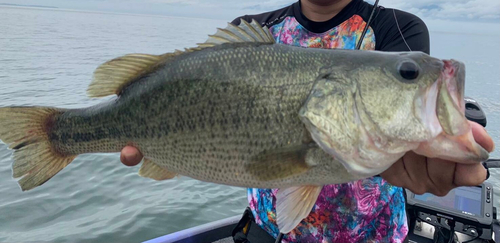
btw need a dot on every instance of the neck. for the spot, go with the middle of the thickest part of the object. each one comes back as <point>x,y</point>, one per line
<point>322,10</point>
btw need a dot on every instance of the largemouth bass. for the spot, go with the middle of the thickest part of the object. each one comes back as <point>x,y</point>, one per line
<point>241,110</point>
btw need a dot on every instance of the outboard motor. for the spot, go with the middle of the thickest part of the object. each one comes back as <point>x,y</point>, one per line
<point>474,112</point>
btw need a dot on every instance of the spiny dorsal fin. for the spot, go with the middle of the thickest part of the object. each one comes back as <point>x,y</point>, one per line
<point>113,76</point>
<point>244,32</point>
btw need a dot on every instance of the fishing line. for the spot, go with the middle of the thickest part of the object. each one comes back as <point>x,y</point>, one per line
<point>400,32</point>
<point>358,46</point>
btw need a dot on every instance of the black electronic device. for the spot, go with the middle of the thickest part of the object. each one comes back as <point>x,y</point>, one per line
<point>469,205</point>
<point>465,212</point>
<point>474,112</point>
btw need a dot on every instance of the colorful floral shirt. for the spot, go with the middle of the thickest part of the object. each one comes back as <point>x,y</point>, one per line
<point>369,210</point>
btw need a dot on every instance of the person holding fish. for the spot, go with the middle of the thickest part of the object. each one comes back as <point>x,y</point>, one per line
<point>371,209</point>
<point>324,137</point>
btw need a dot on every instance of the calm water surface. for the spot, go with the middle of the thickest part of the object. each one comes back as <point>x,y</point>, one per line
<point>47,58</point>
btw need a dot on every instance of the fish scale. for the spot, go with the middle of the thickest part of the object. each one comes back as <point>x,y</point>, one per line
<point>230,115</point>
<point>242,110</point>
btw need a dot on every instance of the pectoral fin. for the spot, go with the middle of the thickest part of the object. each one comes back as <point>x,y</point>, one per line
<point>281,163</point>
<point>151,170</point>
<point>293,204</point>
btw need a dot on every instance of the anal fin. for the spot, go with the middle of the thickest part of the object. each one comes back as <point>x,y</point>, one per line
<point>151,170</point>
<point>293,204</point>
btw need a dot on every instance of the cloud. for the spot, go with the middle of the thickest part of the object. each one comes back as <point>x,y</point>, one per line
<point>265,5</point>
<point>482,10</point>
<point>449,9</point>
<point>192,3</point>
<point>433,9</point>
<point>470,10</point>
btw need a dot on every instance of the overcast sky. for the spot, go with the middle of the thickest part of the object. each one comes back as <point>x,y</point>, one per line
<point>461,10</point>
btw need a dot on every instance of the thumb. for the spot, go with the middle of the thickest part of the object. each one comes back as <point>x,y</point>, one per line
<point>482,137</point>
<point>130,156</point>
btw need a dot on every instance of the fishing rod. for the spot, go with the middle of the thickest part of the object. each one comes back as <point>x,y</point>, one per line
<point>358,46</point>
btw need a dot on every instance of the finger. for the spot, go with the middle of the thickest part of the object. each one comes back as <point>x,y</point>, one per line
<point>396,175</point>
<point>416,167</point>
<point>482,137</point>
<point>441,173</point>
<point>130,156</point>
<point>469,174</point>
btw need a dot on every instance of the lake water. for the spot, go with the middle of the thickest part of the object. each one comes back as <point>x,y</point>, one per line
<point>47,58</point>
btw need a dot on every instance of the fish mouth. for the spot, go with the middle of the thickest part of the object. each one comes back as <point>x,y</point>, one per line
<point>453,139</point>
<point>450,104</point>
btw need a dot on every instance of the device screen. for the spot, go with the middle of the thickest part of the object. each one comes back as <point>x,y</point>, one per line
<point>462,199</point>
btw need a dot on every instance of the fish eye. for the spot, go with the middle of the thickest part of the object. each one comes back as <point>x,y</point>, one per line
<point>408,70</point>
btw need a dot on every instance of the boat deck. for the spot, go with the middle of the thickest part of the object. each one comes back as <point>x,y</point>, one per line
<point>225,240</point>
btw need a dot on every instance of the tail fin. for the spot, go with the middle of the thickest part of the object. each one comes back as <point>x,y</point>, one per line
<point>26,131</point>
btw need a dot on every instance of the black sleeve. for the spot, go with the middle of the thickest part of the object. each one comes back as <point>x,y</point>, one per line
<point>390,38</point>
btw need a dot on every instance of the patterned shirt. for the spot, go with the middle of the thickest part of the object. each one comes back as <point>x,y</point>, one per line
<point>368,210</point>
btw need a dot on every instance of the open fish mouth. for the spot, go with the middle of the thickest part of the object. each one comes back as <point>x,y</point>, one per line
<point>453,135</point>
<point>450,104</point>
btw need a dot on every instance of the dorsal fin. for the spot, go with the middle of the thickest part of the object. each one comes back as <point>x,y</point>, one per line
<point>244,32</point>
<point>114,75</point>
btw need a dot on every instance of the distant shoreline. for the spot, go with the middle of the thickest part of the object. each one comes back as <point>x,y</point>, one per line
<point>26,5</point>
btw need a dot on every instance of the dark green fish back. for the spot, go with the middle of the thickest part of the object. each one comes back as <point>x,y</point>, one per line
<point>203,112</point>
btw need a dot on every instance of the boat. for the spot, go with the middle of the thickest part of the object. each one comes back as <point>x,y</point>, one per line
<point>222,231</point>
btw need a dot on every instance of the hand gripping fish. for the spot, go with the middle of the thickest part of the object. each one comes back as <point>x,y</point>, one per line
<point>242,110</point>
